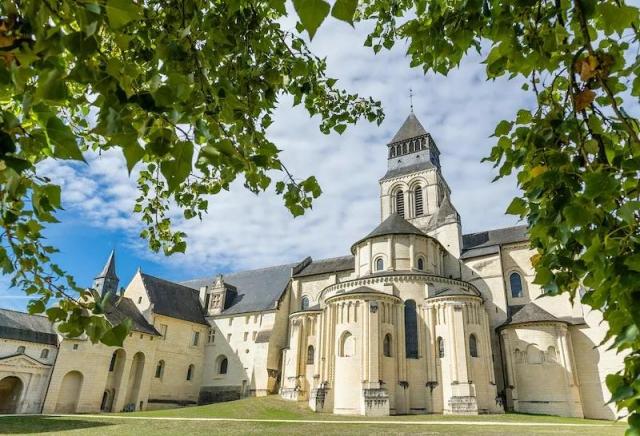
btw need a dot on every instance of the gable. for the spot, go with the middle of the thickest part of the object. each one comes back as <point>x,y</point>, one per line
<point>22,361</point>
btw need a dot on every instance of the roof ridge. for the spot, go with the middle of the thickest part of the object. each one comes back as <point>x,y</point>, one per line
<point>332,258</point>
<point>242,271</point>
<point>167,281</point>
<point>496,229</point>
<point>24,313</point>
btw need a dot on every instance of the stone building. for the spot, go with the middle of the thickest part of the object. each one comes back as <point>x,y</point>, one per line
<point>418,318</point>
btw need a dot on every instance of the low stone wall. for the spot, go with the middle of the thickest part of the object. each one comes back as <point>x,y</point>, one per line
<point>218,394</point>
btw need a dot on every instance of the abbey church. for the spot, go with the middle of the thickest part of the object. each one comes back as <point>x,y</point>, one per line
<point>418,318</point>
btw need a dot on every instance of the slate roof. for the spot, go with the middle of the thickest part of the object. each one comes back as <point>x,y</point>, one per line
<point>258,289</point>
<point>394,224</point>
<point>173,299</point>
<point>328,266</point>
<point>446,213</point>
<point>25,327</point>
<point>409,129</point>
<point>109,269</point>
<point>122,308</point>
<point>484,243</point>
<point>397,172</point>
<point>529,313</point>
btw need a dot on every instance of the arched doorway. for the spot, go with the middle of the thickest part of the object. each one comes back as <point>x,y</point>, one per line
<point>69,392</point>
<point>10,393</point>
<point>135,378</point>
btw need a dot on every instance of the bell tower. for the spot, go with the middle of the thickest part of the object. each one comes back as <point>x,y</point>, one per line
<point>107,280</point>
<point>414,188</point>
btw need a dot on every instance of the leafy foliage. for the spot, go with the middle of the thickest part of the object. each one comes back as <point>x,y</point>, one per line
<point>184,88</point>
<point>576,154</point>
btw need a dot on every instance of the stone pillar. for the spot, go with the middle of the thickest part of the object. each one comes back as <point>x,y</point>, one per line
<point>511,391</point>
<point>375,399</point>
<point>463,397</point>
<point>412,252</point>
<point>392,260</point>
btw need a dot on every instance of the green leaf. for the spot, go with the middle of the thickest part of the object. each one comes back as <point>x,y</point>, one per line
<point>517,207</point>
<point>132,154</point>
<point>122,12</point>
<point>633,262</point>
<point>115,336</point>
<point>344,10</point>
<point>177,169</point>
<point>65,145</point>
<point>503,128</point>
<point>616,18</point>
<point>312,13</point>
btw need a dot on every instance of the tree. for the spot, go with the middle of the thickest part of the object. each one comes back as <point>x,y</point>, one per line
<point>184,88</point>
<point>576,154</point>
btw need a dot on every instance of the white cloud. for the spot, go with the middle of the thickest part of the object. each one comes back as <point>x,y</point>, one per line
<point>244,231</point>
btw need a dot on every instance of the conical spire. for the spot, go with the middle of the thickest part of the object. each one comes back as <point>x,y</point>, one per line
<point>411,128</point>
<point>107,280</point>
<point>109,267</point>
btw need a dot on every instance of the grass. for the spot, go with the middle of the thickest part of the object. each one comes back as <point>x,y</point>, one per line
<point>275,408</point>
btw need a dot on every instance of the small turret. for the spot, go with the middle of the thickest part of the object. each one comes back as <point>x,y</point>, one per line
<point>107,280</point>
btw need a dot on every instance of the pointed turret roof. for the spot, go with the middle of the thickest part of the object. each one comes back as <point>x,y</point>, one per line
<point>411,128</point>
<point>394,224</point>
<point>109,269</point>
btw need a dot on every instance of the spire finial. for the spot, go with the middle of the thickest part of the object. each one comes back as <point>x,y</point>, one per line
<point>411,98</point>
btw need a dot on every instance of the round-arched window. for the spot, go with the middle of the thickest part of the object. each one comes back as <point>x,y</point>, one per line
<point>515,283</point>
<point>379,264</point>
<point>190,372</point>
<point>222,366</point>
<point>386,345</point>
<point>420,264</point>
<point>473,346</point>
<point>310,355</point>
<point>440,348</point>
<point>304,304</point>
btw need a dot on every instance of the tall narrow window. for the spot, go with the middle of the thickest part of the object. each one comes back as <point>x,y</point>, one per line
<point>473,346</point>
<point>379,264</point>
<point>310,355</point>
<point>515,282</point>
<point>196,338</point>
<point>160,369</point>
<point>304,305</point>
<point>400,203</point>
<point>212,335</point>
<point>411,329</point>
<point>112,364</point>
<point>420,264</point>
<point>44,354</point>
<point>223,366</point>
<point>190,372</point>
<point>386,345</point>
<point>440,348</point>
<point>417,196</point>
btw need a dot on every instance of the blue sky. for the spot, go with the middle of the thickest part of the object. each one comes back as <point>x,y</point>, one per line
<point>245,231</point>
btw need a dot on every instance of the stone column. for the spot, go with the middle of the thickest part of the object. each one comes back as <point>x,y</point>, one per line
<point>392,260</point>
<point>412,254</point>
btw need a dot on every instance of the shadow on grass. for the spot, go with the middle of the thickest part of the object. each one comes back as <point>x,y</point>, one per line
<point>44,424</point>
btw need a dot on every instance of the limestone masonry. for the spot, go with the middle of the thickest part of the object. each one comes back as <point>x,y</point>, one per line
<point>418,318</point>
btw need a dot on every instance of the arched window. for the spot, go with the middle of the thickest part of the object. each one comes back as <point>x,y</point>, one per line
<point>304,304</point>
<point>21,349</point>
<point>473,346</point>
<point>160,369</point>
<point>552,356</point>
<point>44,354</point>
<point>440,347</point>
<point>310,355</point>
<point>347,345</point>
<point>386,345</point>
<point>190,372</point>
<point>417,197</point>
<point>222,366</point>
<point>420,264</point>
<point>112,364</point>
<point>519,355</point>
<point>400,203</point>
<point>515,282</point>
<point>411,329</point>
<point>379,264</point>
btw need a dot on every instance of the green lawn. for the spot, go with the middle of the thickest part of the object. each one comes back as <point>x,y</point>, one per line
<point>275,408</point>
